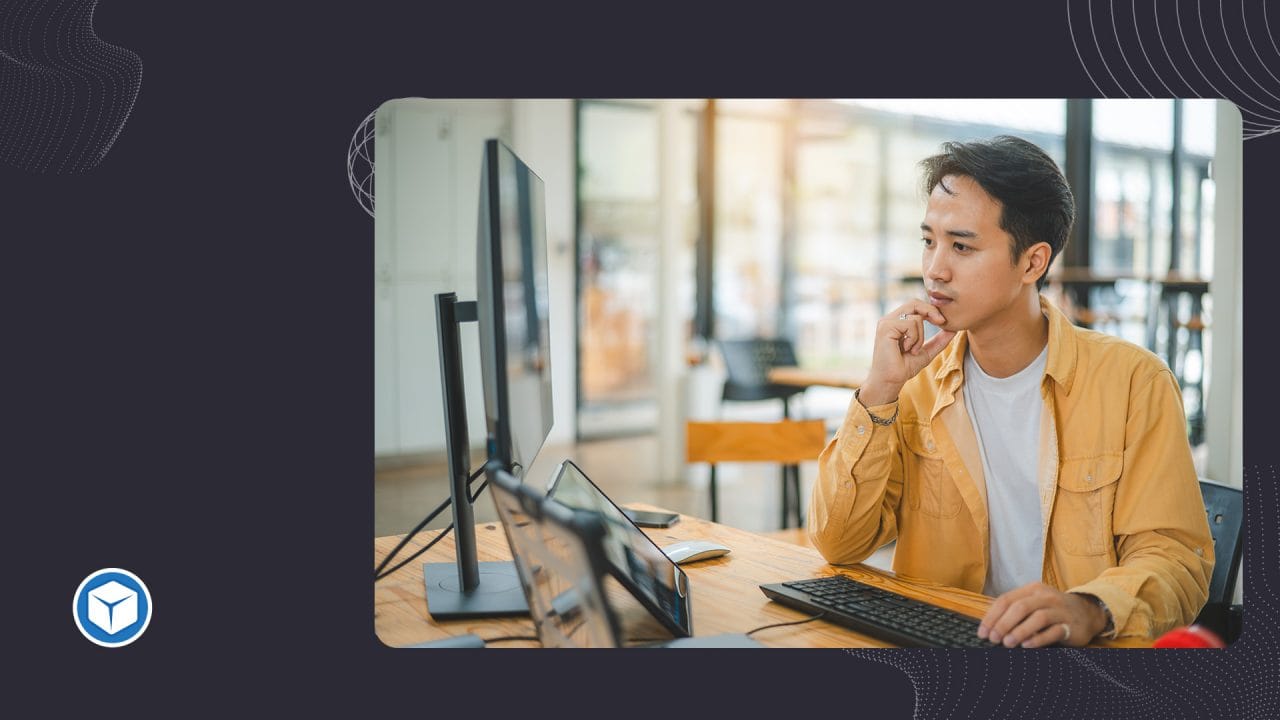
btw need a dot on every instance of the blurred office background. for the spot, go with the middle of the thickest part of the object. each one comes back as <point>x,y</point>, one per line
<point>674,224</point>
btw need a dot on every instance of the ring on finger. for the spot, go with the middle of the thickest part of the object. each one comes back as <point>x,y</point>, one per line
<point>903,316</point>
<point>1066,632</point>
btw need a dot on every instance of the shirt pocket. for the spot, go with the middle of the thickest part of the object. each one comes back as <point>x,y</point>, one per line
<point>1085,500</point>
<point>928,486</point>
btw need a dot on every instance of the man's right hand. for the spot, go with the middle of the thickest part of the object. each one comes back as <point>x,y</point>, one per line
<point>901,351</point>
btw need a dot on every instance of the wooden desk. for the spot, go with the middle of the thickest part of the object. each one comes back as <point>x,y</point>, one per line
<point>726,597</point>
<point>801,377</point>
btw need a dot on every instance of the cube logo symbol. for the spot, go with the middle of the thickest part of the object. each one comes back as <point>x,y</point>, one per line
<point>112,607</point>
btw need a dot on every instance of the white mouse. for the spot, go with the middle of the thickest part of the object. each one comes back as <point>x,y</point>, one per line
<point>687,551</point>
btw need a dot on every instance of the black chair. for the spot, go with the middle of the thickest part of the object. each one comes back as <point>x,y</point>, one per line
<point>1224,508</point>
<point>747,364</point>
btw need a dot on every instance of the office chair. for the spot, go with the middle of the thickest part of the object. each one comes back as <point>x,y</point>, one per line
<point>1224,507</point>
<point>789,442</point>
<point>747,364</point>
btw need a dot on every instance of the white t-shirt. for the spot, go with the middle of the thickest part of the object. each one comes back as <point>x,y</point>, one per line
<point>1005,413</point>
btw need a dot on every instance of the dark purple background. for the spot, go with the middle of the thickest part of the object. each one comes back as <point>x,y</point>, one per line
<point>188,358</point>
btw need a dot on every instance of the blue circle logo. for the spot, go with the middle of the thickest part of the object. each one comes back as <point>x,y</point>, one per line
<point>112,607</point>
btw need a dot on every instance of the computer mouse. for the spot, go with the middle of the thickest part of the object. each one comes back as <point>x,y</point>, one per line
<point>687,551</point>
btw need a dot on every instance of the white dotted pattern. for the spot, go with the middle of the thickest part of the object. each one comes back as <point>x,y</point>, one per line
<point>1239,682</point>
<point>1175,36</point>
<point>65,94</point>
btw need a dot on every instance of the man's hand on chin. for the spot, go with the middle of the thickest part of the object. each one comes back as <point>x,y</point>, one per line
<point>1036,615</point>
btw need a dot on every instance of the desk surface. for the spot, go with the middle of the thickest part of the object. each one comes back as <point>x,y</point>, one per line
<point>802,377</point>
<point>726,597</point>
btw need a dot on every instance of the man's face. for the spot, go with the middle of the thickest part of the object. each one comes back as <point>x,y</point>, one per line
<point>966,263</point>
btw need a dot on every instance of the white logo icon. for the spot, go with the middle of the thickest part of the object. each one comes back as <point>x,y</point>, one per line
<point>113,607</point>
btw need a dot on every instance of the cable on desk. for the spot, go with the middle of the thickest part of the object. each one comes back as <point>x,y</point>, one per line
<point>416,554</point>
<point>781,624</point>
<point>378,574</point>
<point>510,638</point>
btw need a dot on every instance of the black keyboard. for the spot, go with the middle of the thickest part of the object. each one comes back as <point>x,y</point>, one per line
<point>882,614</point>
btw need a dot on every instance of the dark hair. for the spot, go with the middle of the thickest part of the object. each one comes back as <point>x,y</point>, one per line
<point>1036,204</point>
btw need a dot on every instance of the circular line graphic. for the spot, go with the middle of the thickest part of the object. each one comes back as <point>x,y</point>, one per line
<point>360,165</point>
<point>1220,71</point>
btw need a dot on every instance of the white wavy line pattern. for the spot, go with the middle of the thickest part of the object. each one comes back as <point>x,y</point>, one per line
<point>1202,46</point>
<point>360,163</point>
<point>65,94</point>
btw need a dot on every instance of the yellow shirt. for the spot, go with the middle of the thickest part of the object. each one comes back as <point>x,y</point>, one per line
<point>1121,510</point>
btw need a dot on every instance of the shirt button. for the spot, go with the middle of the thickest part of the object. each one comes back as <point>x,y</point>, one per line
<point>862,430</point>
<point>1200,552</point>
<point>1088,478</point>
<point>930,445</point>
<point>847,484</point>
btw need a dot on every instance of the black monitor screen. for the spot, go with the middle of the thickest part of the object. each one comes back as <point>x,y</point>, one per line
<point>512,305</point>
<point>634,559</point>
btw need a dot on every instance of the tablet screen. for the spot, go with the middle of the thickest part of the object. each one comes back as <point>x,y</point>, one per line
<point>561,564</point>
<point>635,560</point>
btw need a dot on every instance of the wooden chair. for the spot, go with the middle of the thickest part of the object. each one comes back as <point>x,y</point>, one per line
<point>788,442</point>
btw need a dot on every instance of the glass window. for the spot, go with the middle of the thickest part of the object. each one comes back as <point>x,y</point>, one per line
<point>839,256</point>
<point>748,226</point>
<point>1199,126</point>
<point>619,250</point>
<point>1038,115</point>
<point>1199,140</point>
<point>1136,123</point>
<point>1129,210</point>
<point>618,241</point>
<point>1134,233</point>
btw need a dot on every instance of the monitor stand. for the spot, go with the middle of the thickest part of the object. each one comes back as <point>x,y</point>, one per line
<point>498,593</point>
<point>466,588</point>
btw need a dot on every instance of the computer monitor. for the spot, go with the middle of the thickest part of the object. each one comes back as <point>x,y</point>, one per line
<point>515,351</point>
<point>635,561</point>
<point>511,307</point>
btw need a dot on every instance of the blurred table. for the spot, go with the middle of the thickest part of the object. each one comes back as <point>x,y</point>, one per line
<point>803,377</point>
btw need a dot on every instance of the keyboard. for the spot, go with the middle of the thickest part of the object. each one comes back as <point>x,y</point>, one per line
<point>879,613</point>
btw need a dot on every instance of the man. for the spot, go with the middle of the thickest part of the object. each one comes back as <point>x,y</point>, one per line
<point>1013,453</point>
